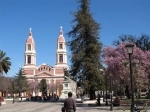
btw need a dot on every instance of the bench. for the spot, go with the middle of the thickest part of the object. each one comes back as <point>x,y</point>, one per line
<point>140,104</point>
<point>125,102</point>
<point>136,102</point>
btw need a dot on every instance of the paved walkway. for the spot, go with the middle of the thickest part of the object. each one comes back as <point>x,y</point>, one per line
<point>50,107</point>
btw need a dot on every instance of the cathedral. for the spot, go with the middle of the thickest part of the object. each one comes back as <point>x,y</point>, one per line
<point>52,74</point>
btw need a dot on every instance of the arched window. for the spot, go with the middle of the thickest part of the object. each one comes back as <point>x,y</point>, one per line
<point>29,59</point>
<point>60,46</point>
<point>29,47</point>
<point>60,58</point>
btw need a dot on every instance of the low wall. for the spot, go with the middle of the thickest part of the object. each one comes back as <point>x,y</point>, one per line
<point>10,99</point>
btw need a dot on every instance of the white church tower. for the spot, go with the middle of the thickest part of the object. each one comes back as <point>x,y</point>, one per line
<point>61,53</point>
<point>30,56</point>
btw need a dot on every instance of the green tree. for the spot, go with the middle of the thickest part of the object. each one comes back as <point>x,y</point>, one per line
<point>21,82</point>
<point>4,63</point>
<point>142,42</point>
<point>43,86</point>
<point>85,48</point>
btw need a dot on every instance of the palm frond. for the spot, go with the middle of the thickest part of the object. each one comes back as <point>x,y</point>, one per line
<point>4,62</point>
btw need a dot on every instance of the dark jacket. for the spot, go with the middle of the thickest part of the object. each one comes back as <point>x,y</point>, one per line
<point>70,104</point>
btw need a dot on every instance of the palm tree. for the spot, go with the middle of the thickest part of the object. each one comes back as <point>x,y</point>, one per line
<point>4,63</point>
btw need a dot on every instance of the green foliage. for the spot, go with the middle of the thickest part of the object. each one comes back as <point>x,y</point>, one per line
<point>4,62</point>
<point>142,42</point>
<point>43,86</point>
<point>85,48</point>
<point>20,82</point>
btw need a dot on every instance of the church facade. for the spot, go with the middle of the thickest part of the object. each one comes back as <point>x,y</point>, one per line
<point>54,75</point>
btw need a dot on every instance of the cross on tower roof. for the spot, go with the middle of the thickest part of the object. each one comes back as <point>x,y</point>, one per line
<point>61,28</point>
<point>30,29</point>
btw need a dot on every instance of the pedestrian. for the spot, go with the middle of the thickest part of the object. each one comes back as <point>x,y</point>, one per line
<point>69,103</point>
<point>29,97</point>
<point>57,98</point>
<point>98,100</point>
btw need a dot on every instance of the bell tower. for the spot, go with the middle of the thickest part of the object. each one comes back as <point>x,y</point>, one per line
<point>61,53</point>
<point>30,53</point>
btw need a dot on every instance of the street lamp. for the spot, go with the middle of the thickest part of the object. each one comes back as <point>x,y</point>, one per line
<point>35,85</point>
<point>106,90</point>
<point>111,105</point>
<point>13,91</point>
<point>129,48</point>
<point>104,78</point>
<point>48,83</point>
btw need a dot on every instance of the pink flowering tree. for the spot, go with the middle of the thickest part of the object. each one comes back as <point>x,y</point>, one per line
<point>52,88</point>
<point>147,66</point>
<point>55,88</point>
<point>117,64</point>
<point>34,86</point>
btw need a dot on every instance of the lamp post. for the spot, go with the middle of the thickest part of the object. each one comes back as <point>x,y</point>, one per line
<point>129,48</point>
<point>48,87</point>
<point>13,92</point>
<point>103,86</point>
<point>111,103</point>
<point>106,90</point>
<point>35,85</point>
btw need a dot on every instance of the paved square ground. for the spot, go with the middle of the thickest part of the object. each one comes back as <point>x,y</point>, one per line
<point>50,107</point>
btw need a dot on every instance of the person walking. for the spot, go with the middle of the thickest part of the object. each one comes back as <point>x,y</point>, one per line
<point>69,103</point>
<point>99,100</point>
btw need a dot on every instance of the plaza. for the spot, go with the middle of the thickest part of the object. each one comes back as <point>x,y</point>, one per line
<point>50,107</point>
<point>99,55</point>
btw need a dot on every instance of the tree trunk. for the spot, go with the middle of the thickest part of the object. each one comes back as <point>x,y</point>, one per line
<point>20,95</point>
<point>120,91</point>
<point>92,94</point>
<point>140,92</point>
<point>127,91</point>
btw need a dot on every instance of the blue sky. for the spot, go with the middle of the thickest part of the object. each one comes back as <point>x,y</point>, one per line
<point>45,17</point>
